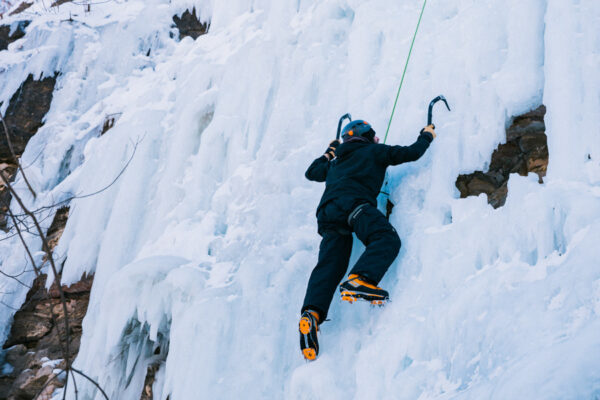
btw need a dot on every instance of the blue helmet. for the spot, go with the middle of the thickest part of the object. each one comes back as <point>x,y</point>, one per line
<point>358,128</point>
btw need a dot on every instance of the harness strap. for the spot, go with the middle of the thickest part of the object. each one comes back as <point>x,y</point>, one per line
<point>357,210</point>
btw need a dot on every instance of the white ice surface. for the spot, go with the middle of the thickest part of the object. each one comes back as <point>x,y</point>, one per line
<point>205,243</point>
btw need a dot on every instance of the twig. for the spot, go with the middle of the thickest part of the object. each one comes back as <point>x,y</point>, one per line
<point>34,160</point>
<point>47,383</point>
<point>50,258</point>
<point>37,272</point>
<point>74,385</point>
<point>91,380</point>
<point>66,381</point>
<point>69,370</point>
<point>6,305</point>
<point>15,277</point>
<point>83,196</point>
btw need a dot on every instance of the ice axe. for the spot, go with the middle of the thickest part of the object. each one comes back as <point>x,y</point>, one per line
<point>339,131</point>
<point>431,104</point>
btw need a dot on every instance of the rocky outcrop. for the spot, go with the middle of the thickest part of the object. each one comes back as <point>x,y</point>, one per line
<point>25,114</point>
<point>5,197</point>
<point>109,122</point>
<point>6,37</point>
<point>35,350</point>
<point>31,381</point>
<point>57,227</point>
<point>189,25</point>
<point>147,393</point>
<point>59,2</point>
<point>24,5</point>
<point>525,151</point>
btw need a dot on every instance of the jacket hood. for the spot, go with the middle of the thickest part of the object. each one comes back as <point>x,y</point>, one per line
<point>349,146</point>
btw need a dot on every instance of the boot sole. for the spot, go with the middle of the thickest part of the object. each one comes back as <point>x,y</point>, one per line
<point>305,326</point>
<point>374,299</point>
<point>309,354</point>
<point>307,343</point>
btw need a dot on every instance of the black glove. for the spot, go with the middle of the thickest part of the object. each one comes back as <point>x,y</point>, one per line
<point>330,152</point>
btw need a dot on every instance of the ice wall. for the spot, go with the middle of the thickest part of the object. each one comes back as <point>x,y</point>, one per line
<point>207,239</point>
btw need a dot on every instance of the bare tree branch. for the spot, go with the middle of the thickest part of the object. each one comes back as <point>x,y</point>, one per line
<point>34,160</point>
<point>91,380</point>
<point>83,196</point>
<point>16,278</point>
<point>28,221</point>
<point>37,272</point>
<point>50,258</point>
<point>74,385</point>
<point>6,305</point>
<point>67,370</point>
<point>52,379</point>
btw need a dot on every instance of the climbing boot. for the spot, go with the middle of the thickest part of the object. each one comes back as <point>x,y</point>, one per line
<point>359,288</point>
<point>309,326</point>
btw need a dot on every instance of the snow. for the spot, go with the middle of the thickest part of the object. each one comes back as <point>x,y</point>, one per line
<point>4,6</point>
<point>205,242</point>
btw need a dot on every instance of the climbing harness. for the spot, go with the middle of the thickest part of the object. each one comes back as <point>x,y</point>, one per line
<point>352,216</point>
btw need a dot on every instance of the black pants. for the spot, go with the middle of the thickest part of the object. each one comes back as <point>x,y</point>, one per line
<point>374,231</point>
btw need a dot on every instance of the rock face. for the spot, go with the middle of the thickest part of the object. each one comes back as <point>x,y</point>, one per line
<point>525,151</point>
<point>59,2</point>
<point>147,393</point>
<point>5,35</point>
<point>189,25</point>
<point>24,115</point>
<point>34,350</point>
<point>57,227</point>
<point>22,7</point>
<point>5,197</point>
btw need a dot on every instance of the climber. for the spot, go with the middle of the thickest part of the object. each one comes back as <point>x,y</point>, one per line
<point>353,173</point>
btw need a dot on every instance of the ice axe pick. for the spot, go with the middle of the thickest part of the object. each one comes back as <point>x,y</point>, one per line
<point>339,130</point>
<point>431,104</point>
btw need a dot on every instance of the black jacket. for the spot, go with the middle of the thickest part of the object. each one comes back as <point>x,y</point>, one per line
<point>356,174</point>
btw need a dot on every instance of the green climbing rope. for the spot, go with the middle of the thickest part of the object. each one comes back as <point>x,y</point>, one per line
<point>404,72</point>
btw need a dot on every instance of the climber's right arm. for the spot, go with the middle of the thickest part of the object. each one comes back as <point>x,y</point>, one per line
<point>394,155</point>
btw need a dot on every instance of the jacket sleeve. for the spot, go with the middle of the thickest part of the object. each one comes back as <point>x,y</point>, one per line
<point>318,170</point>
<point>394,155</point>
